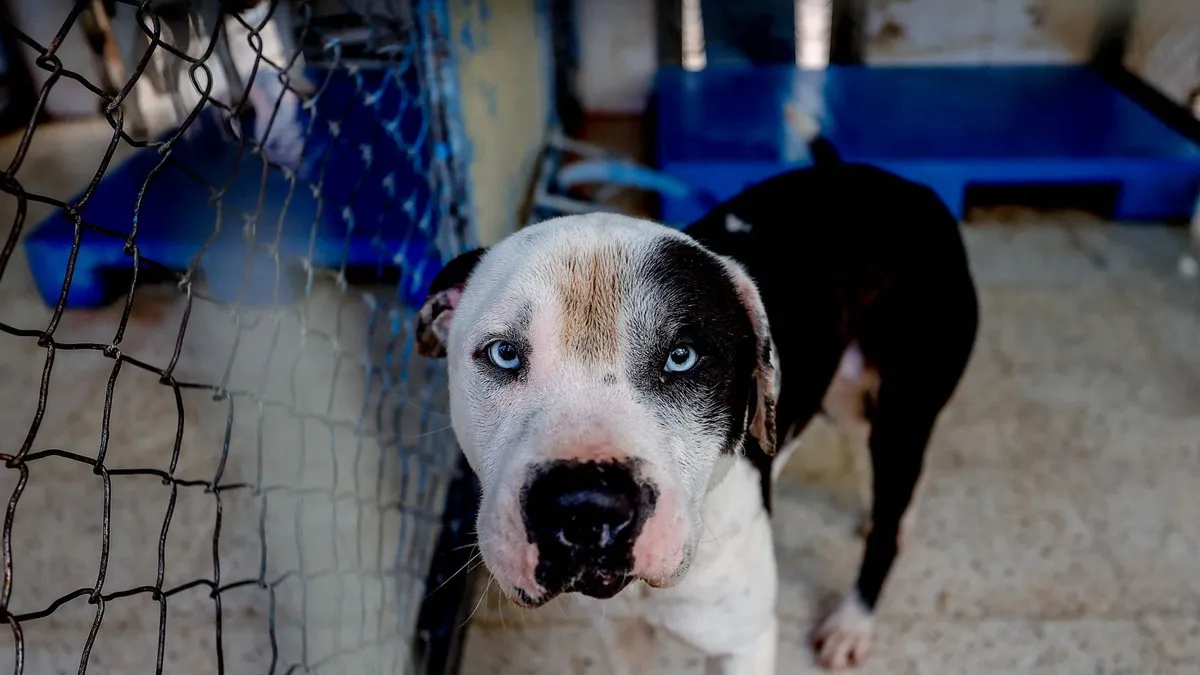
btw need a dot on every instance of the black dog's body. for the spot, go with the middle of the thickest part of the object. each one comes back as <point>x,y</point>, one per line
<point>845,253</point>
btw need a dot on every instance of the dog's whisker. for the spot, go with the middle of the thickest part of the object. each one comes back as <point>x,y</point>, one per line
<point>708,532</point>
<point>424,434</point>
<point>500,607</point>
<point>425,409</point>
<point>476,609</point>
<point>461,570</point>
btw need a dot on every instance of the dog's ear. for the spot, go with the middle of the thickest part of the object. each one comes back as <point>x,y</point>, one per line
<point>761,422</point>
<point>433,321</point>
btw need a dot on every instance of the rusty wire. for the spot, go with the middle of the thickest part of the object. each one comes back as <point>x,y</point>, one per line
<point>424,452</point>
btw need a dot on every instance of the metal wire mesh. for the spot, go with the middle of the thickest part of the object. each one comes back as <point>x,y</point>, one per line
<point>201,482</point>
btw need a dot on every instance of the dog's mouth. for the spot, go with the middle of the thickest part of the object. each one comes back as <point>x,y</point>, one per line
<point>595,582</point>
<point>602,584</point>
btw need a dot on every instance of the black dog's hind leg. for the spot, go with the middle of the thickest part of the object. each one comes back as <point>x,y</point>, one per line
<point>900,431</point>
<point>920,362</point>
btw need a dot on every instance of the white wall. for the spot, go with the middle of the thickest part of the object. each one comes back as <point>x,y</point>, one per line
<point>617,40</point>
<point>1164,48</point>
<point>617,54</point>
<point>979,32</point>
<point>618,50</point>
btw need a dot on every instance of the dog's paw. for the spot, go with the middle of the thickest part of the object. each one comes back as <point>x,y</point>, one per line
<point>843,639</point>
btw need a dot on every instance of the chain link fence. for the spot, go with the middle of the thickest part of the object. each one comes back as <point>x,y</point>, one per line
<point>221,453</point>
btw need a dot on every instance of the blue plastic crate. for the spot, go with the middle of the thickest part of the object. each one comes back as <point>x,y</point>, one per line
<point>360,199</point>
<point>726,127</point>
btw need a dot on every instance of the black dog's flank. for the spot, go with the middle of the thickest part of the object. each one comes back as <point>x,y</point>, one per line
<point>845,252</point>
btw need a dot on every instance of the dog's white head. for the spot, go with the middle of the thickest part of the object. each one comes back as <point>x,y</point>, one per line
<point>599,366</point>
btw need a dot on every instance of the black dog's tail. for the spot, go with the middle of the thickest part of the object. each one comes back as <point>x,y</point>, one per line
<point>713,228</point>
<point>822,150</point>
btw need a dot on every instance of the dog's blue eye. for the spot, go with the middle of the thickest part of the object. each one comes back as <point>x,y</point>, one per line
<point>504,355</point>
<point>681,359</point>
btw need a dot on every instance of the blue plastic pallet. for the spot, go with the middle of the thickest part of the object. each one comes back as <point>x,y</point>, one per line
<point>726,127</point>
<point>360,199</point>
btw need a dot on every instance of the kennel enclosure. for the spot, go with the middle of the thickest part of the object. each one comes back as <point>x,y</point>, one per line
<point>272,485</point>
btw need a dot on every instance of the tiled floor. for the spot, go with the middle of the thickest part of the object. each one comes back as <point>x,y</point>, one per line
<point>1059,530</point>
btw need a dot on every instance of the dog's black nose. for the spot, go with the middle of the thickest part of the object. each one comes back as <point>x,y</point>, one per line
<point>584,516</point>
<point>591,518</point>
<point>584,507</point>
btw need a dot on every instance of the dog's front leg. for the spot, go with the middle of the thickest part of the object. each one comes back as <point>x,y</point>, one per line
<point>757,658</point>
<point>725,607</point>
<point>628,643</point>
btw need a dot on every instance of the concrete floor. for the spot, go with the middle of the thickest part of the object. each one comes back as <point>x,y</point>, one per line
<point>1058,533</point>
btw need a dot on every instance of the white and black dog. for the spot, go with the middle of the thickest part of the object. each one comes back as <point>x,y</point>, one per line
<point>617,386</point>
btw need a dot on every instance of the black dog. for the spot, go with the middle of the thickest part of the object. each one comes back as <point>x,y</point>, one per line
<point>858,267</point>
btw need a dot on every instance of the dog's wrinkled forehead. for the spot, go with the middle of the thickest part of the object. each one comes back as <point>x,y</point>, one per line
<point>601,273</point>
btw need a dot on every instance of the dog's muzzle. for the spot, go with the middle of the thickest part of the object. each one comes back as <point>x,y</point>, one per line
<point>584,517</point>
